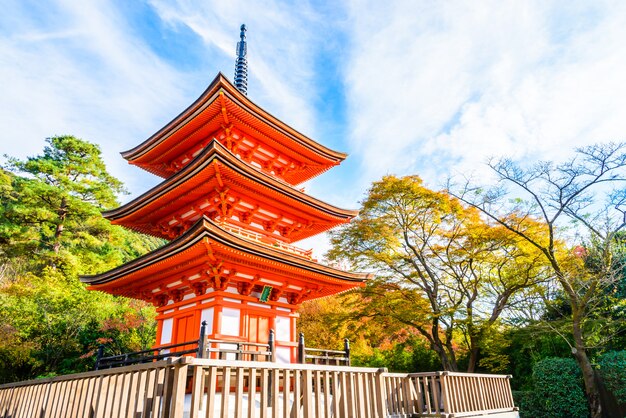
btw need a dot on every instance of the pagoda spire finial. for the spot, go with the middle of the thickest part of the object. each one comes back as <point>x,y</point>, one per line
<point>241,65</point>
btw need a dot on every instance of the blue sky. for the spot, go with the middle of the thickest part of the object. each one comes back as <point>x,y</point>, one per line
<point>420,87</point>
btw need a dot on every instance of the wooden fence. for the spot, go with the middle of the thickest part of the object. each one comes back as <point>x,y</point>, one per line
<point>219,388</point>
<point>246,389</point>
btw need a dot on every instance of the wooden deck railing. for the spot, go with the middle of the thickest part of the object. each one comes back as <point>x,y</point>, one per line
<point>144,390</point>
<point>219,388</point>
<point>233,389</point>
<point>465,393</point>
<point>448,394</point>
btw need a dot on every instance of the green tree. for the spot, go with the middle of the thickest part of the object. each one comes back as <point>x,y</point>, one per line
<point>51,230</point>
<point>580,200</point>
<point>51,206</point>
<point>529,344</point>
<point>613,371</point>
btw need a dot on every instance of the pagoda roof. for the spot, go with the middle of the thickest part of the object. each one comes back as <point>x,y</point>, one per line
<point>222,105</point>
<point>216,173</point>
<point>187,259</point>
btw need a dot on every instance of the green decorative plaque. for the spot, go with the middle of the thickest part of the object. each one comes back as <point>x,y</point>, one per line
<point>265,294</point>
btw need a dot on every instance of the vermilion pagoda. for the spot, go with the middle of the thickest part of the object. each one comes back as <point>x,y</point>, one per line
<point>230,205</point>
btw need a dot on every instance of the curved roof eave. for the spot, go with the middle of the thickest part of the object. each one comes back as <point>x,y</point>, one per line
<point>206,228</point>
<point>221,82</point>
<point>201,161</point>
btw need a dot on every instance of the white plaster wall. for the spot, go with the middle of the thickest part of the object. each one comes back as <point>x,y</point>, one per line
<point>207,315</point>
<point>166,331</point>
<point>283,328</point>
<point>283,355</point>
<point>231,318</point>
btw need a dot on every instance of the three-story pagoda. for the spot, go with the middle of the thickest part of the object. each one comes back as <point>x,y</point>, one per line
<point>230,205</point>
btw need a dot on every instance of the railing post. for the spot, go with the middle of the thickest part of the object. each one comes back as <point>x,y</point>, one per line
<point>346,348</point>
<point>197,391</point>
<point>445,393</point>
<point>177,402</point>
<point>201,341</point>
<point>381,389</point>
<point>271,342</point>
<point>99,355</point>
<point>509,392</point>
<point>301,353</point>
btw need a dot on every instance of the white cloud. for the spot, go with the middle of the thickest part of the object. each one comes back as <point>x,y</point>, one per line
<point>437,87</point>
<point>77,69</point>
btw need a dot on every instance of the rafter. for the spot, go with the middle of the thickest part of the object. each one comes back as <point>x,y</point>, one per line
<point>223,107</point>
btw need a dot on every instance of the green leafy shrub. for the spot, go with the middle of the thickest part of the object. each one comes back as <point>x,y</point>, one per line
<point>558,391</point>
<point>524,399</point>
<point>613,371</point>
<point>409,355</point>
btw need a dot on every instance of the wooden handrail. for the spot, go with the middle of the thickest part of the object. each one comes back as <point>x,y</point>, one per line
<point>323,356</point>
<point>212,341</point>
<point>281,366</point>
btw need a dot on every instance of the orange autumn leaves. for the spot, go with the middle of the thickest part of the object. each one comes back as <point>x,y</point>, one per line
<point>441,268</point>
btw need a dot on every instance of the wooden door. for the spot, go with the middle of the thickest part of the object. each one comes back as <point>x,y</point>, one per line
<point>185,330</point>
<point>258,332</point>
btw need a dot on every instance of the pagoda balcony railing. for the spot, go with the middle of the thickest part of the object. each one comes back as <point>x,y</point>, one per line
<point>205,347</point>
<point>145,356</point>
<point>268,241</point>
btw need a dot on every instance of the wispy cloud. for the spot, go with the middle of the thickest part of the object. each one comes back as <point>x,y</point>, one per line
<point>281,51</point>
<point>436,87</point>
<point>76,68</point>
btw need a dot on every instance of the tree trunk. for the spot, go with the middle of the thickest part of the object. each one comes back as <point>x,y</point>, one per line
<point>62,213</point>
<point>454,367</point>
<point>448,362</point>
<point>474,337</point>
<point>580,354</point>
<point>473,358</point>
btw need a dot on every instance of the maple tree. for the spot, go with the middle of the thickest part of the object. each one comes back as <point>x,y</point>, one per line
<point>441,269</point>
